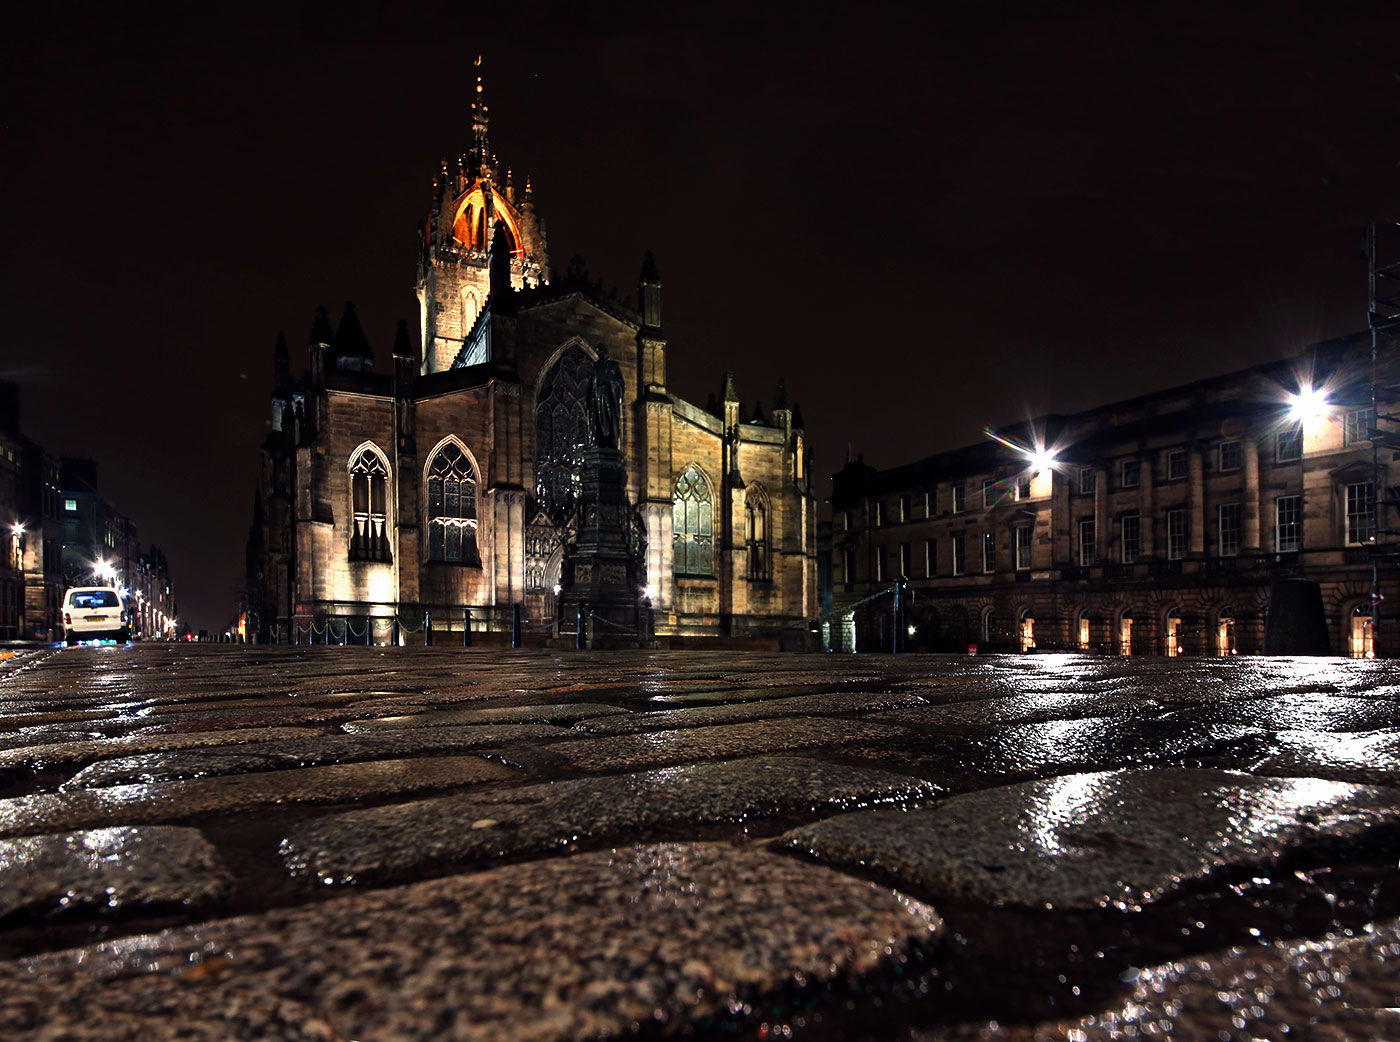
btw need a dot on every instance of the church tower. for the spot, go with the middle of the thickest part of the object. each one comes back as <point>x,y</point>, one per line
<point>469,204</point>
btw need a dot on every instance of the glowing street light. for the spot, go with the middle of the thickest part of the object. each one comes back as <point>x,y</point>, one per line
<point>1310,403</point>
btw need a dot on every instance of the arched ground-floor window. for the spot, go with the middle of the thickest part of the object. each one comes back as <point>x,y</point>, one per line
<point>1027,632</point>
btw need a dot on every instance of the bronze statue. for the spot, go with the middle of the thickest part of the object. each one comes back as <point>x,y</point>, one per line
<point>605,402</point>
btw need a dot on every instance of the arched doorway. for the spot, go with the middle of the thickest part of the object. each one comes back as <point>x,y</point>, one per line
<point>1125,634</point>
<point>1361,639</point>
<point>1027,632</point>
<point>1225,644</point>
<point>1172,634</point>
<point>1081,630</point>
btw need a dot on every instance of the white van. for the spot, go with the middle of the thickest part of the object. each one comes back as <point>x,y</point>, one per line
<point>94,612</point>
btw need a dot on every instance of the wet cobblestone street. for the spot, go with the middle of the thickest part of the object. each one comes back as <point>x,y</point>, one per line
<point>221,842</point>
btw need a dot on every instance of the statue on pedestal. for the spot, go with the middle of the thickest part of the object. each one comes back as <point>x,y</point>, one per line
<point>605,402</point>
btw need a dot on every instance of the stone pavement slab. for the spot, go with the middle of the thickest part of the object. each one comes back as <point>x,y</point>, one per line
<point>146,804</point>
<point>109,868</point>
<point>1107,838</point>
<point>396,841</point>
<point>834,704</point>
<point>669,937</point>
<point>250,757</point>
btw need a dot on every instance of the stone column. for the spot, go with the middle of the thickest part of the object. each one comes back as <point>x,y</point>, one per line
<point>1253,501</point>
<point>1145,515</point>
<point>1198,501</point>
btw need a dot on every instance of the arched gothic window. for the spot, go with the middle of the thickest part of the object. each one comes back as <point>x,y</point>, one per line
<point>561,433</point>
<point>451,507</point>
<point>756,534</point>
<point>369,532</point>
<point>692,525</point>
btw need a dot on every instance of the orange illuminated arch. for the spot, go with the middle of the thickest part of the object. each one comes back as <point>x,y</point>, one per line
<point>469,227</point>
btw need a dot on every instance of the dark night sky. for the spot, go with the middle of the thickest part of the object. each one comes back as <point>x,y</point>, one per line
<point>928,217</point>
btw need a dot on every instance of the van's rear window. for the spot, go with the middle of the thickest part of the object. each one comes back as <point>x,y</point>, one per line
<point>96,599</point>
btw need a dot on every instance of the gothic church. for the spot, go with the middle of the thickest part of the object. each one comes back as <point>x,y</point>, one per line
<point>449,487</point>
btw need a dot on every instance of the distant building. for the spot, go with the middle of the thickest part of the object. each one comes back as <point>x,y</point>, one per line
<point>1160,528</point>
<point>101,545</point>
<point>449,485</point>
<point>31,581</point>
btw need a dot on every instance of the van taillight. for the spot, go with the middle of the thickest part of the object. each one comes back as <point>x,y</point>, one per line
<point>67,619</point>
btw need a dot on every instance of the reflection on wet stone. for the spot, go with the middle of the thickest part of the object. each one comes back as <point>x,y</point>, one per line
<point>109,868</point>
<point>1108,838</point>
<point>397,841</point>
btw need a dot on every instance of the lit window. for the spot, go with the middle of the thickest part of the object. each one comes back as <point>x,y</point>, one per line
<point>959,498</point>
<point>905,513</point>
<point>1132,537</point>
<point>879,564</point>
<point>877,513</point>
<point>1176,534</point>
<point>1361,521</point>
<point>930,558</point>
<point>70,505</point>
<point>369,532</point>
<point>1229,529</point>
<point>989,552</point>
<point>928,504</point>
<point>692,525</point>
<point>1176,464</point>
<point>1290,443</point>
<point>1288,524</point>
<point>756,534</point>
<point>1131,473</point>
<point>906,564</point>
<point>959,553</point>
<point>1088,547</point>
<point>451,507</point>
<point>1023,488</point>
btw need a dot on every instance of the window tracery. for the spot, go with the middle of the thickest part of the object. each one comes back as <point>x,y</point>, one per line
<point>756,534</point>
<point>692,525</point>
<point>369,531</point>
<point>561,433</point>
<point>451,507</point>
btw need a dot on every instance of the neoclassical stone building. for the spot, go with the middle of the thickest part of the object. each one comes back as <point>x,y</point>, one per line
<point>450,483</point>
<point>1158,525</point>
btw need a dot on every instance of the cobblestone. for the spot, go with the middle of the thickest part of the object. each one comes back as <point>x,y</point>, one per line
<point>558,845</point>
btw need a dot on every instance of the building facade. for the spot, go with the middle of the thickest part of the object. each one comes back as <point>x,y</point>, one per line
<point>1157,525</point>
<point>448,486</point>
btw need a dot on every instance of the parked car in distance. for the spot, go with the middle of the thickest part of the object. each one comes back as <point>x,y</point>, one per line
<point>94,613</point>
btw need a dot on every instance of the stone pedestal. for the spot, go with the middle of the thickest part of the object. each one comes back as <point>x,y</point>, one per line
<point>601,569</point>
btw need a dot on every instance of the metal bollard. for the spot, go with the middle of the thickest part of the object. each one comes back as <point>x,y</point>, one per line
<point>427,629</point>
<point>515,625</point>
<point>368,634</point>
<point>395,629</point>
<point>581,636</point>
<point>466,627</point>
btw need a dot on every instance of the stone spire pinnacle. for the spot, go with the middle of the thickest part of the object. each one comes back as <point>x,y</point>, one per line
<point>481,146</point>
